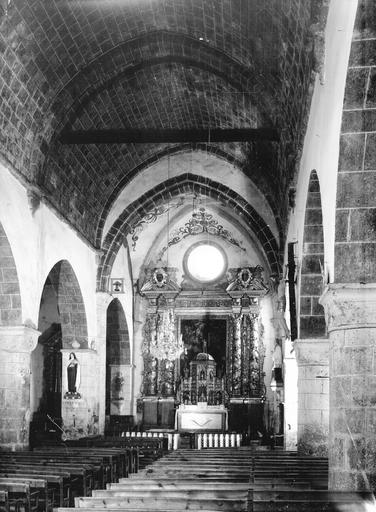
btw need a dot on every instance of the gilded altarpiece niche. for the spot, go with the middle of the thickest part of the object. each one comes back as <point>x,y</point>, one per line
<point>160,350</point>
<point>232,338</point>
<point>245,356</point>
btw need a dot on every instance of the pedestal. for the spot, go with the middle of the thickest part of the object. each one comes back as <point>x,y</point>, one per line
<point>351,319</point>
<point>79,410</point>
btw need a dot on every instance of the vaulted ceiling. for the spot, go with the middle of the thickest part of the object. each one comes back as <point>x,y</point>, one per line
<point>110,64</point>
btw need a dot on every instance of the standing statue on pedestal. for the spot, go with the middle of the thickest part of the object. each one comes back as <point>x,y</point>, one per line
<point>73,377</point>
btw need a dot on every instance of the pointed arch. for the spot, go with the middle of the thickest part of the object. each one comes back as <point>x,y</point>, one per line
<point>117,353</point>
<point>70,304</point>
<point>186,183</point>
<point>312,319</point>
<point>10,297</point>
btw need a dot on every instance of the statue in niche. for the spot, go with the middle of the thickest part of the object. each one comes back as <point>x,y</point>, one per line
<point>278,361</point>
<point>202,375</point>
<point>73,377</point>
<point>153,377</point>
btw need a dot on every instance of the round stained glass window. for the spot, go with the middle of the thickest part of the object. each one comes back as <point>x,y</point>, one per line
<point>205,262</point>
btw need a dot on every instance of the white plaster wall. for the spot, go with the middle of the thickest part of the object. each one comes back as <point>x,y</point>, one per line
<point>200,163</point>
<point>321,144</point>
<point>38,242</point>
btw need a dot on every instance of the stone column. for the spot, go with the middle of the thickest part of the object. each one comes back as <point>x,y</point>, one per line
<point>291,398</point>
<point>103,301</point>
<point>313,396</point>
<point>16,345</point>
<point>351,319</point>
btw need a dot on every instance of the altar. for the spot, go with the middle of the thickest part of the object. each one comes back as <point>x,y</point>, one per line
<point>202,391</point>
<point>201,417</point>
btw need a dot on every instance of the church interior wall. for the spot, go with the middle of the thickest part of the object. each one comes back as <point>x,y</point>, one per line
<point>57,225</point>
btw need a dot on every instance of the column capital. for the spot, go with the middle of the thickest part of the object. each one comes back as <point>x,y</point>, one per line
<point>312,352</point>
<point>18,338</point>
<point>349,306</point>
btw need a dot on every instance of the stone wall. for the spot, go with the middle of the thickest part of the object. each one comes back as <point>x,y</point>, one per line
<point>350,312</point>
<point>355,248</point>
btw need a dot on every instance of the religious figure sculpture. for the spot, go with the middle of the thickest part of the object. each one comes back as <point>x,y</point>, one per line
<point>73,376</point>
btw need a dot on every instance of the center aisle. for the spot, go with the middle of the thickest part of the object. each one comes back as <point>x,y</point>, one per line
<point>205,480</point>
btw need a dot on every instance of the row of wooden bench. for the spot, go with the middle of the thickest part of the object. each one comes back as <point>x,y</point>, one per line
<point>53,476</point>
<point>232,480</point>
<point>150,448</point>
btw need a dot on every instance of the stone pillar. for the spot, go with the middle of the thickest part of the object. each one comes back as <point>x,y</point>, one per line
<point>350,311</point>
<point>313,396</point>
<point>103,301</point>
<point>291,398</point>
<point>16,345</point>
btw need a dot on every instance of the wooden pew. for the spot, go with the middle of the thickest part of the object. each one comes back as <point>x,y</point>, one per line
<point>117,462</point>
<point>93,469</point>
<point>4,501</point>
<point>304,501</point>
<point>59,483</point>
<point>40,485</point>
<point>166,503</point>
<point>20,497</point>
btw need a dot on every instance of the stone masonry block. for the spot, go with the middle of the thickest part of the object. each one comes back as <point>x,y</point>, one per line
<point>312,326</point>
<point>311,285</point>
<point>363,53</point>
<point>363,225</point>
<point>356,190</point>
<point>312,264</point>
<point>370,420</point>
<point>355,92</point>
<point>351,152</point>
<point>370,153</point>
<point>371,91</point>
<point>342,225</point>
<point>305,305</point>
<point>355,262</point>
<point>313,217</point>
<point>359,121</point>
<point>361,360</point>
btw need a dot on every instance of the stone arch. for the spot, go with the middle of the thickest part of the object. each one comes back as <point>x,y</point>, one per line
<point>117,355</point>
<point>312,319</point>
<point>70,304</point>
<point>169,151</point>
<point>173,187</point>
<point>10,296</point>
<point>143,50</point>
